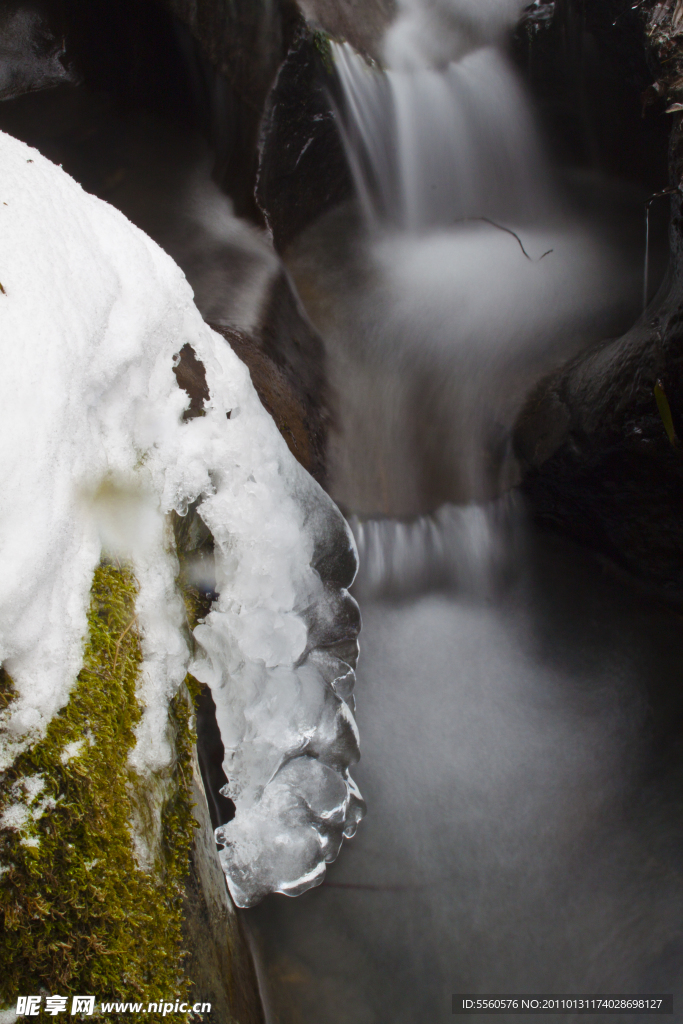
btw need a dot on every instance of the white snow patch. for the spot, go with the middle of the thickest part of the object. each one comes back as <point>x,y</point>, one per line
<point>28,809</point>
<point>94,456</point>
<point>16,816</point>
<point>71,751</point>
<point>33,786</point>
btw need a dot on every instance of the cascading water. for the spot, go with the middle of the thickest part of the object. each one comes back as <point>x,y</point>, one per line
<point>473,280</point>
<point>514,842</point>
<point>430,148</point>
<point>441,159</point>
<point>523,832</point>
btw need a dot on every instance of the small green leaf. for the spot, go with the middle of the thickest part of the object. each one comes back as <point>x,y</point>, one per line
<point>665,412</point>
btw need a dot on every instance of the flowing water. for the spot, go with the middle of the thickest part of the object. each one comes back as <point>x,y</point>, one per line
<point>432,148</point>
<point>518,704</point>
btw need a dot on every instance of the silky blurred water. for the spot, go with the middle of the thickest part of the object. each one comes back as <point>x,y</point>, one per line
<point>522,770</point>
<point>519,704</point>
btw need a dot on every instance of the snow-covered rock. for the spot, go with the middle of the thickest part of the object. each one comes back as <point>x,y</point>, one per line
<point>95,454</point>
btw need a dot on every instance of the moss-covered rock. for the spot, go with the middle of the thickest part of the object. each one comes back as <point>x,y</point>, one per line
<point>82,913</point>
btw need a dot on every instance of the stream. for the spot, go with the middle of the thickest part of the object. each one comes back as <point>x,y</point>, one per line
<point>518,699</point>
<point>519,704</point>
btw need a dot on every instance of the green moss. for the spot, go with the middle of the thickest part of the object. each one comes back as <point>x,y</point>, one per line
<point>78,915</point>
<point>323,45</point>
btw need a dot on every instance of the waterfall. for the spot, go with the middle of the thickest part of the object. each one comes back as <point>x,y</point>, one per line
<point>433,147</point>
<point>476,277</point>
<point>507,685</point>
<point>507,681</point>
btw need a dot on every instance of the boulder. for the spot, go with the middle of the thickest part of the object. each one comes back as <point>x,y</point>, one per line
<point>303,171</point>
<point>598,439</point>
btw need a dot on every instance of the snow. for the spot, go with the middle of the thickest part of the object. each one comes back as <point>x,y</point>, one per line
<point>95,455</point>
<point>22,815</point>
<point>16,816</point>
<point>71,751</point>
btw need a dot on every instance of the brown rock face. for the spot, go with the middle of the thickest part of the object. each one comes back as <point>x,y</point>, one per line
<point>286,361</point>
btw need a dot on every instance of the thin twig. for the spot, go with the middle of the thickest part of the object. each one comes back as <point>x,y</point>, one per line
<point>659,195</point>
<point>509,231</point>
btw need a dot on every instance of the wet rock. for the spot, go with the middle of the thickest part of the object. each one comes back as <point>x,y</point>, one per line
<point>245,39</point>
<point>598,439</point>
<point>219,963</point>
<point>236,49</point>
<point>542,427</point>
<point>286,360</point>
<point>598,463</point>
<point>208,65</point>
<point>263,70</point>
<point>588,69</point>
<point>302,167</point>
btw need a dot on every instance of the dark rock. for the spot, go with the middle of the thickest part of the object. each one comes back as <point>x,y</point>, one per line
<point>240,44</point>
<point>191,376</point>
<point>235,51</point>
<point>587,66</point>
<point>597,440</point>
<point>598,463</point>
<point>208,65</point>
<point>245,39</point>
<point>32,52</point>
<point>211,755</point>
<point>302,168</point>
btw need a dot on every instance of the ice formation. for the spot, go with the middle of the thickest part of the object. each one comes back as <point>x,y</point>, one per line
<point>95,454</point>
